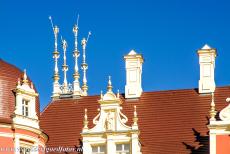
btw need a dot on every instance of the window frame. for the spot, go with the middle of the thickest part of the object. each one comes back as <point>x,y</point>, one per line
<point>123,150</point>
<point>25,107</point>
<point>99,148</point>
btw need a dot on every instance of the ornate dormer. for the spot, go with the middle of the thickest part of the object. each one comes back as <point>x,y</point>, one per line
<point>110,133</point>
<point>25,105</point>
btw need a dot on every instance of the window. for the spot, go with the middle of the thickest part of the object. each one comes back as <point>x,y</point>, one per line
<point>98,149</point>
<point>122,149</point>
<point>24,150</point>
<point>26,146</point>
<point>25,108</point>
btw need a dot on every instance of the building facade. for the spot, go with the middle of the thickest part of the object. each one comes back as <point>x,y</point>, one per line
<point>20,131</point>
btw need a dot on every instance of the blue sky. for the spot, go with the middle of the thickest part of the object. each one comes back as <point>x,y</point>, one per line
<point>166,32</point>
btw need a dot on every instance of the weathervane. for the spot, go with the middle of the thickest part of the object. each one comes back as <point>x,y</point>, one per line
<point>56,89</point>
<point>84,65</point>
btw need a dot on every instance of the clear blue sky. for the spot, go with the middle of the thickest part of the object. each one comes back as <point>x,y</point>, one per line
<point>166,32</point>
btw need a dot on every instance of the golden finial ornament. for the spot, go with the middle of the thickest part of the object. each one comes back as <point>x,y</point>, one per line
<point>212,111</point>
<point>109,87</point>
<point>25,81</point>
<point>85,122</point>
<point>135,119</point>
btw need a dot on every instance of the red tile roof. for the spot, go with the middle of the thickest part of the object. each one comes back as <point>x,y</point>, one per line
<point>9,75</point>
<point>170,122</point>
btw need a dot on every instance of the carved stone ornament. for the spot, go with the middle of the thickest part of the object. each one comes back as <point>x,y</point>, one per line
<point>225,113</point>
<point>110,121</point>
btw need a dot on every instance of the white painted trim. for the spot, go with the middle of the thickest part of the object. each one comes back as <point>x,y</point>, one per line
<point>212,144</point>
<point>10,135</point>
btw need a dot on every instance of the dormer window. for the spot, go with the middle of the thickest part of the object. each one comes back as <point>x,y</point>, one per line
<point>122,149</point>
<point>25,107</point>
<point>25,104</point>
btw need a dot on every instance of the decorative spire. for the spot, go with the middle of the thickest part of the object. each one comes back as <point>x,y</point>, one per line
<point>64,67</point>
<point>25,81</point>
<point>135,119</point>
<point>56,87</point>
<point>76,54</point>
<point>84,65</point>
<point>56,54</point>
<point>85,122</point>
<point>212,112</point>
<point>109,87</point>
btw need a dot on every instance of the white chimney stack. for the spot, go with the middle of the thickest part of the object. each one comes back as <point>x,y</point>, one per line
<point>207,57</point>
<point>133,63</point>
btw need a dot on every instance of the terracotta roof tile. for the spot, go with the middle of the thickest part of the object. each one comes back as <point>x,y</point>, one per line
<point>169,121</point>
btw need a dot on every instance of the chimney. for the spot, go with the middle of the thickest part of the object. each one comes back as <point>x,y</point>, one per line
<point>133,64</point>
<point>207,57</point>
